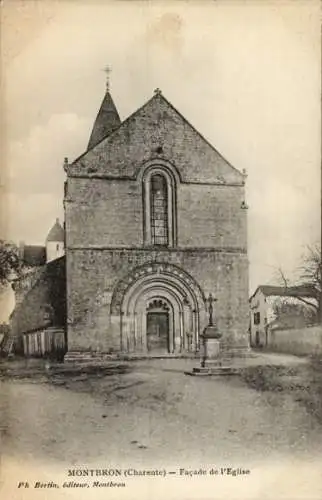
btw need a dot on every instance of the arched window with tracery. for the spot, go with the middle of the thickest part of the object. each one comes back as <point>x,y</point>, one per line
<point>159,200</point>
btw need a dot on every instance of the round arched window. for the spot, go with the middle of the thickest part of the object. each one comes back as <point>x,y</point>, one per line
<point>159,207</point>
<point>159,210</point>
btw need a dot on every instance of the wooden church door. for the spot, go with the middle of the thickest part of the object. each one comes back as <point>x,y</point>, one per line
<point>157,329</point>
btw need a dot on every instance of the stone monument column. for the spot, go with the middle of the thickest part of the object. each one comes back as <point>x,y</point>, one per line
<point>210,338</point>
<point>211,361</point>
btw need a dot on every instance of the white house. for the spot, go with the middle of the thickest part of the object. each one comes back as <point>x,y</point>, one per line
<point>296,305</point>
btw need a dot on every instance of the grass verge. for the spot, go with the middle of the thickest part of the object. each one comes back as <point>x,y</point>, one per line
<point>303,382</point>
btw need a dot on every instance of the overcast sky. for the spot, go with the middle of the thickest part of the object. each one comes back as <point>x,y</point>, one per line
<point>245,74</point>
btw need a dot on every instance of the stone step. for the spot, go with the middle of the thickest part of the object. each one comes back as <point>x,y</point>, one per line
<point>209,371</point>
<point>86,357</point>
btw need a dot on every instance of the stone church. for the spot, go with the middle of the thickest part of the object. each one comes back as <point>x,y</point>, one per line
<point>155,221</point>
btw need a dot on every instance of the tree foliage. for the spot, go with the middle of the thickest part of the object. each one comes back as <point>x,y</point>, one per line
<point>10,263</point>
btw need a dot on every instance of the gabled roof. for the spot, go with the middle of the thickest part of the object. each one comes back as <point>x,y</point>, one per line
<point>56,233</point>
<point>290,291</point>
<point>107,120</point>
<point>157,123</point>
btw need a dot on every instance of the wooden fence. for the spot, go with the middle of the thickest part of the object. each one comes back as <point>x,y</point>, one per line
<point>45,343</point>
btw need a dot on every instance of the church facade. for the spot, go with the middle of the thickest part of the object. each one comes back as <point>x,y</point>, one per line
<point>155,221</point>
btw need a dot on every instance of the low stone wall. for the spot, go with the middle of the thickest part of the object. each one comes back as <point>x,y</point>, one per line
<point>302,341</point>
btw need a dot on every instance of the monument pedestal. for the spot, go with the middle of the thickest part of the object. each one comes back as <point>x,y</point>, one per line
<point>212,363</point>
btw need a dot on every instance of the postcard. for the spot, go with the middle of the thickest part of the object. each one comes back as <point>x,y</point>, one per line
<point>161,299</point>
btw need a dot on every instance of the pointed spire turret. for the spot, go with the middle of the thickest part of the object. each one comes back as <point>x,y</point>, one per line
<point>107,119</point>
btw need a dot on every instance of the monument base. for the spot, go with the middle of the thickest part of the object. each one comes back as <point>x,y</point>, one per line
<point>211,348</point>
<point>218,366</point>
<point>212,361</point>
<point>207,371</point>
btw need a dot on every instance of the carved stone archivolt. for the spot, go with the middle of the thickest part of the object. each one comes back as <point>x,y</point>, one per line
<point>159,287</point>
<point>168,272</point>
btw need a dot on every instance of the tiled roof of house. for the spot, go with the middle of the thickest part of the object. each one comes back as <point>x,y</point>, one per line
<point>290,291</point>
<point>107,120</point>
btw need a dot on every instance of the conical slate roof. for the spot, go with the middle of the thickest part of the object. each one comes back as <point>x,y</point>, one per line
<point>106,121</point>
<point>56,233</point>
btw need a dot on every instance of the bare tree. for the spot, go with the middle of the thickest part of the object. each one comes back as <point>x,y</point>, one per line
<point>281,278</point>
<point>311,273</point>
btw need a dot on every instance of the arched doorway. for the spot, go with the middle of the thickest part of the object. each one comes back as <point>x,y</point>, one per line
<point>161,310</point>
<point>159,326</point>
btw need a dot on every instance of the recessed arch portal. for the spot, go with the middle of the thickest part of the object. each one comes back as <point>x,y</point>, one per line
<point>184,312</point>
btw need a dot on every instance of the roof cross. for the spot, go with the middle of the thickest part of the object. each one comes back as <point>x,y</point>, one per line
<point>107,70</point>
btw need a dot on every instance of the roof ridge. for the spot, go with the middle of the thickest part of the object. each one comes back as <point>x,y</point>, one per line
<point>289,290</point>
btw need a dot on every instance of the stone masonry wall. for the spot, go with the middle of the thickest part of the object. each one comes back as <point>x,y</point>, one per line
<point>299,341</point>
<point>94,274</point>
<point>110,213</point>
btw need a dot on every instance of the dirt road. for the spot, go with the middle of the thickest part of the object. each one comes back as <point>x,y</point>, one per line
<point>154,415</point>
